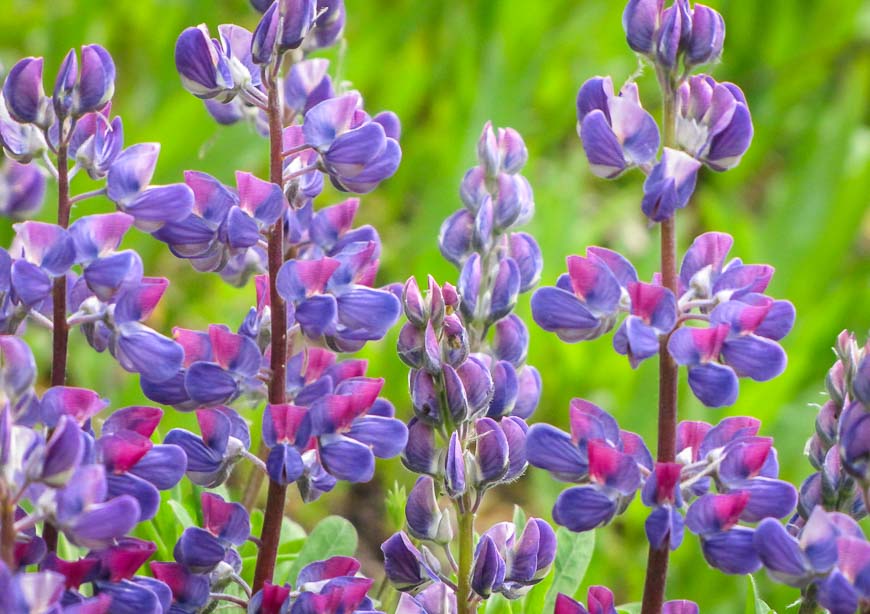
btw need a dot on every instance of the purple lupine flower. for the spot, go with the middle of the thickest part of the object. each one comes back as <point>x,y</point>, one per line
<point>79,92</point>
<point>329,25</point>
<point>436,598</point>
<point>510,565</point>
<point>48,252</point>
<point>282,27</point>
<point>84,514</point>
<point>796,562</point>
<point>708,36</point>
<point>211,68</point>
<point>355,151</point>
<point>96,141</point>
<point>31,592</point>
<point>127,185</point>
<point>662,493</point>
<point>617,132</point>
<point>190,591</point>
<point>22,189</point>
<point>653,315</point>
<point>24,94</point>
<point>224,525</point>
<point>307,84</point>
<point>406,566</point>
<point>211,457</point>
<point>280,427</point>
<point>584,303</point>
<point>594,453</point>
<point>705,274</point>
<point>726,546</point>
<point>135,465</point>
<point>669,185</point>
<point>641,20</point>
<point>713,122</point>
<point>674,35</point>
<point>424,517</point>
<point>847,587</point>
<point>699,349</point>
<point>741,342</point>
<point>21,142</point>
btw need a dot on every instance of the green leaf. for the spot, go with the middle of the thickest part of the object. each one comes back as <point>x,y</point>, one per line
<point>395,504</point>
<point>497,604</point>
<point>333,536</point>
<point>533,602</point>
<point>629,608</point>
<point>573,554</point>
<point>181,514</point>
<point>292,537</point>
<point>754,603</point>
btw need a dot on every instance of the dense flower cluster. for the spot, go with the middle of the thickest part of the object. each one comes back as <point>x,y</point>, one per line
<point>743,324</point>
<point>472,392</point>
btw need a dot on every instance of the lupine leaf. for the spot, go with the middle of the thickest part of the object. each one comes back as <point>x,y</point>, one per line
<point>754,603</point>
<point>629,608</point>
<point>395,502</point>
<point>572,560</point>
<point>333,536</point>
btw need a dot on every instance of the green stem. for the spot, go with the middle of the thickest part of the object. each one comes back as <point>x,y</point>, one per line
<point>657,559</point>
<point>809,605</point>
<point>466,552</point>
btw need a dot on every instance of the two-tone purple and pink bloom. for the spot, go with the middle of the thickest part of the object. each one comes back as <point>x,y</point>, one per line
<point>607,462</point>
<point>332,586</point>
<point>600,600</point>
<point>743,330</point>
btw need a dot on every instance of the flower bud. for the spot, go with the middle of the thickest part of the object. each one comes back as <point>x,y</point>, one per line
<point>675,33</point>
<point>491,453</point>
<point>505,290</point>
<point>425,519</point>
<point>410,346</point>
<point>708,36</point>
<point>527,254</point>
<point>421,454</point>
<point>413,304</point>
<point>454,341</point>
<point>469,286</point>
<point>473,190</point>
<point>487,151</point>
<point>670,185</point>
<point>424,396</point>
<point>512,150</point>
<point>641,20</point>
<point>454,474</point>
<point>488,569</point>
<point>405,565</point>
<point>454,238</point>
<point>484,221</point>
<point>437,308</point>
<point>511,341</point>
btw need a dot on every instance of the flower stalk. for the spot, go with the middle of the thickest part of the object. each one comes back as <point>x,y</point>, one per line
<point>60,328</point>
<point>657,559</point>
<point>466,554</point>
<point>274,512</point>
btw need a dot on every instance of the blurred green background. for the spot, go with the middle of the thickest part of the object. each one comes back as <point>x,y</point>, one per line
<point>799,200</point>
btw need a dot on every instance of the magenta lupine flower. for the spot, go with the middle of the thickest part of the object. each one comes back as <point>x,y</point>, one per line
<point>662,493</point>
<point>135,465</point>
<point>653,314</point>
<point>585,303</point>
<point>617,132</point>
<point>600,601</point>
<point>211,457</point>
<point>332,586</point>
<point>22,189</point>
<point>596,454</point>
<point>225,525</point>
<point>190,591</point>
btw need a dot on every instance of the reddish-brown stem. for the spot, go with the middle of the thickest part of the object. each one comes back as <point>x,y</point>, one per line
<point>60,330</point>
<point>274,513</point>
<point>657,559</point>
<point>7,529</point>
